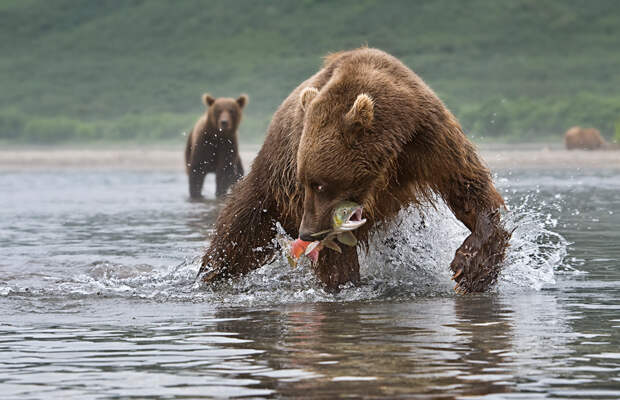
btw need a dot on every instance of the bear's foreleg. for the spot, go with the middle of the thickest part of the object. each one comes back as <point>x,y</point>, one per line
<point>196,175</point>
<point>238,168</point>
<point>477,262</point>
<point>228,171</point>
<point>243,233</point>
<point>224,178</point>
<point>334,269</point>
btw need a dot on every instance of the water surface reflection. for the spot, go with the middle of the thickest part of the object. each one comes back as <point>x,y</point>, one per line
<point>97,300</point>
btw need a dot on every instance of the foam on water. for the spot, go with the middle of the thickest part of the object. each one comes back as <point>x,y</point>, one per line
<point>417,248</point>
<point>407,258</point>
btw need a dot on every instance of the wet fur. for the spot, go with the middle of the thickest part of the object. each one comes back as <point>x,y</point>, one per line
<point>413,149</point>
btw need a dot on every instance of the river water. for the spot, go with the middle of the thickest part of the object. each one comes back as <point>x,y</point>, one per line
<point>98,299</point>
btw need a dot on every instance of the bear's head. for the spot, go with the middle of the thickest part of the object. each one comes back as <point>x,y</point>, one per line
<point>224,112</point>
<point>340,157</point>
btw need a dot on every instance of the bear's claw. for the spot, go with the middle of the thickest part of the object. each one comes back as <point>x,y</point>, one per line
<point>210,276</point>
<point>477,262</point>
<point>456,275</point>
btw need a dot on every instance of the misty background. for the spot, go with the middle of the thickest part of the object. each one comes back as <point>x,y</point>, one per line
<point>88,72</point>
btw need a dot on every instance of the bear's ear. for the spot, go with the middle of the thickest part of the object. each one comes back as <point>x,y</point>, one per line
<point>207,99</point>
<point>243,100</point>
<point>362,111</point>
<point>306,96</point>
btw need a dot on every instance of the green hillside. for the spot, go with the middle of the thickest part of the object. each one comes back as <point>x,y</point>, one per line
<point>135,70</point>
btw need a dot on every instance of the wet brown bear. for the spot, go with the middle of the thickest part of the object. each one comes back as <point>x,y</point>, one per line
<point>364,128</point>
<point>212,145</point>
<point>578,138</point>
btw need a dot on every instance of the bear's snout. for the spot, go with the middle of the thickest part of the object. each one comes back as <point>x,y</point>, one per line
<point>306,236</point>
<point>309,228</point>
<point>224,121</point>
<point>224,124</point>
<point>309,236</point>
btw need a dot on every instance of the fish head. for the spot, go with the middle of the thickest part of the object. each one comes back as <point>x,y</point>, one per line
<point>347,216</point>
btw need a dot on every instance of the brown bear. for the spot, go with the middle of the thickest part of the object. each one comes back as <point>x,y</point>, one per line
<point>212,145</point>
<point>364,128</point>
<point>578,138</point>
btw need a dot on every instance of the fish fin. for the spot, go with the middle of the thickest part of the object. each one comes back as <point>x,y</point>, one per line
<point>291,261</point>
<point>311,247</point>
<point>347,238</point>
<point>331,244</point>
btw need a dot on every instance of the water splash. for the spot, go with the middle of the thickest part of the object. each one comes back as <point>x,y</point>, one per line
<point>536,251</point>
<point>409,257</point>
<point>417,248</point>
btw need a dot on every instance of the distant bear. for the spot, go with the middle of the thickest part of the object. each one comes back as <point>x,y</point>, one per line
<point>578,138</point>
<point>365,128</point>
<point>212,145</point>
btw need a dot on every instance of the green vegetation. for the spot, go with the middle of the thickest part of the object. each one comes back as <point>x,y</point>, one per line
<point>516,70</point>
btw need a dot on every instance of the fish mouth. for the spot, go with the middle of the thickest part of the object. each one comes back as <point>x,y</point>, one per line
<point>354,221</point>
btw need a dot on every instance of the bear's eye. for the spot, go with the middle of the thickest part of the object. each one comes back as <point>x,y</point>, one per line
<point>318,187</point>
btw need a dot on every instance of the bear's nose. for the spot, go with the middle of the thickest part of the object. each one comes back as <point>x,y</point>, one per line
<point>224,124</point>
<point>306,236</point>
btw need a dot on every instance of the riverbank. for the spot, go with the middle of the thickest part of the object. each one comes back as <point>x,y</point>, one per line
<point>497,157</point>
